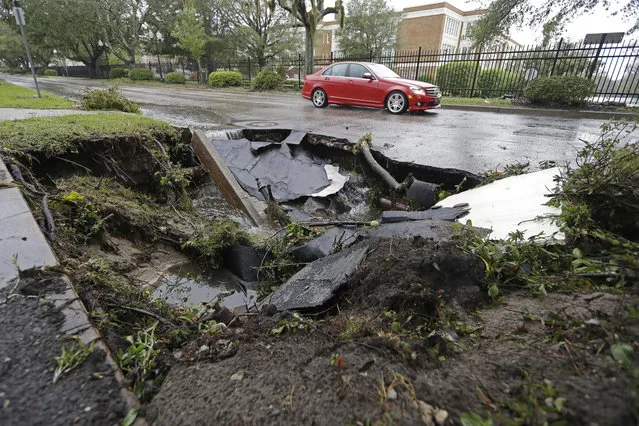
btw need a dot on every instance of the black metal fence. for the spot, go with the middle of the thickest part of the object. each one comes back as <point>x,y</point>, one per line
<point>496,73</point>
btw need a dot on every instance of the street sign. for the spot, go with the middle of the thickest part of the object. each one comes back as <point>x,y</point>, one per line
<point>603,38</point>
<point>18,13</point>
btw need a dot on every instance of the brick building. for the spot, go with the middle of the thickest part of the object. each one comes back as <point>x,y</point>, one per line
<point>433,27</point>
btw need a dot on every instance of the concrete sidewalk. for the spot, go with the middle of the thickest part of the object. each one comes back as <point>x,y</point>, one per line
<point>22,113</point>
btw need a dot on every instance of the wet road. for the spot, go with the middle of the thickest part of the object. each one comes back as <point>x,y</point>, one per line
<point>473,141</point>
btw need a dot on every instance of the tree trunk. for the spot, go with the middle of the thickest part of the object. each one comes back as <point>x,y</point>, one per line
<point>93,68</point>
<point>310,50</point>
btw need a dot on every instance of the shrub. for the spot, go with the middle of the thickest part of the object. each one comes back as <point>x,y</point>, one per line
<point>267,80</point>
<point>493,83</point>
<point>118,73</point>
<point>175,78</point>
<point>50,73</point>
<point>559,90</point>
<point>456,78</point>
<point>140,74</point>
<point>40,72</point>
<point>428,77</point>
<point>225,78</point>
<point>108,99</point>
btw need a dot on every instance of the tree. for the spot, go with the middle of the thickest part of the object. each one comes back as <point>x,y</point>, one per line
<point>191,36</point>
<point>127,21</point>
<point>554,15</point>
<point>261,30</point>
<point>12,52</point>
<point>369,28</point>
<point>308,14</point>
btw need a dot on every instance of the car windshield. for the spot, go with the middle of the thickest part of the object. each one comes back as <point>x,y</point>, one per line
<point>382,71</point>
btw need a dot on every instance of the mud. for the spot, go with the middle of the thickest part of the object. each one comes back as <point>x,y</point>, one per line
<point>339,367</point>
<point>29,341</point>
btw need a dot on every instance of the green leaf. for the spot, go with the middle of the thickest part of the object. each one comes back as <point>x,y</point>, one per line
<point>559,403</point>
<point>472,419</point>
<point>130,417</point>
<point>278,330</point>
<point>622,352</point>
<point>493,291</point>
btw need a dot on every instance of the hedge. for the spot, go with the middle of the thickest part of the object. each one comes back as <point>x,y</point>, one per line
<point>225,78</point>
<point>267,80</point>
<point>50,73</point>
<point>493,83</point>
<point>140,74</point>
<point>559,90</point>
<point>175,78</point>
<point>456,78</point>
<point>118,73</point>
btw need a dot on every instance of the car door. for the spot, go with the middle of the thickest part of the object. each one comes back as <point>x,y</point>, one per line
<point>362,91</point>
<point>334,82</point>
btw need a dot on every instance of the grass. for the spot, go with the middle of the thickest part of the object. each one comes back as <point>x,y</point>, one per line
<point>70,358</point>
<point>56,135</point>
<point>12,96</point>
<point>477,101</point>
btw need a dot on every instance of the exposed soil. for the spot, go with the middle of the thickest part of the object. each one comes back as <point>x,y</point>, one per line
<point>331,371</point>
<point>29,341</point>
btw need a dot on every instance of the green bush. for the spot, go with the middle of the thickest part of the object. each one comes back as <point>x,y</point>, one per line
<point>108,99</point>
<point>140,74</point>
<point>428,77</point>
<point>40,72</point>
<point>267,80</point>
<point>118,73</point>
<point>559,90</point>
<point>225,78</point>
<point>175,78</point>
<point>493,83</point>
<point>50,73</point>
<point>456,78</point>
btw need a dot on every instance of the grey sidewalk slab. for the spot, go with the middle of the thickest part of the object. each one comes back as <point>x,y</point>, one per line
<point>20,237</point>
<point>22,113</point>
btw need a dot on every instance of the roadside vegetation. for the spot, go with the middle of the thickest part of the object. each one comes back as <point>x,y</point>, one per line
<point>13,96</point>
<point>109,98</point>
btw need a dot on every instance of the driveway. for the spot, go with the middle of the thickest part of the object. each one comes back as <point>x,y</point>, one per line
<point>473,141</point>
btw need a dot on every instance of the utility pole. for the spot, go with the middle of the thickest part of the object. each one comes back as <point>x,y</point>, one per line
<point>18,13</point>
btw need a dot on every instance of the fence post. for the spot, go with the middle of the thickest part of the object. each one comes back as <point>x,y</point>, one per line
<point>371,56</point>
<point>554,63</point>
<point>419,58</point>
<point>331,56</point>
<point>249,68</point>
<point>472,90</point>
<point>299,70</point>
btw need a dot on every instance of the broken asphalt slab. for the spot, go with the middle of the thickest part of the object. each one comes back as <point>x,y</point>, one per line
<point>446,213</point>
<point>325,244</point>
<point>318,282</point>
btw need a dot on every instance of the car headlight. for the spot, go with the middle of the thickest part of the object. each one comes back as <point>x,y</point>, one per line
<point>417,90</point>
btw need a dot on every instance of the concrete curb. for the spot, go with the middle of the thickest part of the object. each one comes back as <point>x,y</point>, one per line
<point>222,176</point>
<point>541,112</point>
<point>20,236</point>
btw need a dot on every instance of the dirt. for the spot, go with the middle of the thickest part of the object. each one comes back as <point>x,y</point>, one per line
<point>338,367</point>
<point>29,341</point>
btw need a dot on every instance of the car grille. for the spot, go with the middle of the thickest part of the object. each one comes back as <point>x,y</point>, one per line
<point>433,91</point>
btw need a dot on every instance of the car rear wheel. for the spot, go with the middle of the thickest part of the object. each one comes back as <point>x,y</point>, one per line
<point>396,103</point>
<point>320,100</point>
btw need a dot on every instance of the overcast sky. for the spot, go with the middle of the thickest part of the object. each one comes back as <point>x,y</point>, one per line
<point>597,22</point>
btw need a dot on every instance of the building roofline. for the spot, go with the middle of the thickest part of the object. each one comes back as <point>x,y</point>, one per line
<point>444,5</point>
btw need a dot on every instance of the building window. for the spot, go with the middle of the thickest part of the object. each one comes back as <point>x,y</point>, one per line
<point>452,27</point>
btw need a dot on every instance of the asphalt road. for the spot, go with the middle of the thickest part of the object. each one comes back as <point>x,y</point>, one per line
<point>473,141</point>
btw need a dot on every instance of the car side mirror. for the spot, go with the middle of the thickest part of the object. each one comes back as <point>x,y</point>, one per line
<point>367,76</point>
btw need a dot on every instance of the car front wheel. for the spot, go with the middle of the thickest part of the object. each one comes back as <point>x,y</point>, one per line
<point>396,103</point>
<point>320,100</point>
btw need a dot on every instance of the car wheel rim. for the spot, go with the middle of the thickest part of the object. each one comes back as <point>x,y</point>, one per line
<point>396,102</point>
<point>318,98</point>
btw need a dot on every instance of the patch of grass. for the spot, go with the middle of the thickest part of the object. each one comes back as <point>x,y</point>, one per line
<point>12,96</point>
<point>57,135</point>
<point>70,358</point>
<point>477,102</point>
<point>109,98</point>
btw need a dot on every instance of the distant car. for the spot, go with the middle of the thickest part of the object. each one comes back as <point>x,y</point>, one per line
<point>370,85</point>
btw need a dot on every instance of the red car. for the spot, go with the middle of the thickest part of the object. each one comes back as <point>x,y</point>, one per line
<point>369,85</point>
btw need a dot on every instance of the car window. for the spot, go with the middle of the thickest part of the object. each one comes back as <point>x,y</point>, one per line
<point>339,70</point>
<point>328,71</point>
<point>357,71</point>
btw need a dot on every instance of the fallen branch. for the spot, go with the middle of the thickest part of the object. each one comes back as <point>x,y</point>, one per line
<point>147,313</point>
<point>382,172</point>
